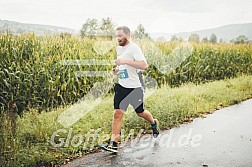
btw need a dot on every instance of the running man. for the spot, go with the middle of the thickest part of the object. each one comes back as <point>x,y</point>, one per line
<point>129,89</point>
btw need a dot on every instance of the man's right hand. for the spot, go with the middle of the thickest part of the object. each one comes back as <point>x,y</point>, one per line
<point>115,70</point>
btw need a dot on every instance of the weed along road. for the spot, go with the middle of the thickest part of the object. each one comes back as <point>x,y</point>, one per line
<point>223,138</point>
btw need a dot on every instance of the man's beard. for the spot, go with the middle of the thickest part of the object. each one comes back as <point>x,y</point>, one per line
<point>123,42</point>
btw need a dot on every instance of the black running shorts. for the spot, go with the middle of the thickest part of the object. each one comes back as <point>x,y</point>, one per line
<point>125,96</point>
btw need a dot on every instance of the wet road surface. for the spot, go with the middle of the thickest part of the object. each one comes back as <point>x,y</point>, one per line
<point>223,138</point>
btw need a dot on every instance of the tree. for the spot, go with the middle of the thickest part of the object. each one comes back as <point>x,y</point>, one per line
<point>174,38</point>
<point>89,28</point>
<point>232,41</point>
<point>140,33</point>
<point>213,38</point>
<point>205,40</point>
<point>194,38</point>
<point>242,39</point>
<point>107,28</point>
<point>20,31</point>
<point>180,39</point>
<point>92,28</point>
<point>64,35</point>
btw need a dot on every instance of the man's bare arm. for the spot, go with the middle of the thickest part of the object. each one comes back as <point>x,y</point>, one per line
<point>142,65</point>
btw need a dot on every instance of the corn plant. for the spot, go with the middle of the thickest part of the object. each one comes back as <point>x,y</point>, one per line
<point>32,73</point>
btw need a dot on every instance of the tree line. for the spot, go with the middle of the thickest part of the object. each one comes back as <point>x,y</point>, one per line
<point>105,28</point>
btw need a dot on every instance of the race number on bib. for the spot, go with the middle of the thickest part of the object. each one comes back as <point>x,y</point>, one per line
<point>124,74</point>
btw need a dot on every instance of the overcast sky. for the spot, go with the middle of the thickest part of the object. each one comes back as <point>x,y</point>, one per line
<point>163,16</point>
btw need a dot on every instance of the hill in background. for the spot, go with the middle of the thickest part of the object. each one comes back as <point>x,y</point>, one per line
<point>226,33</point>
<point>38,29</point>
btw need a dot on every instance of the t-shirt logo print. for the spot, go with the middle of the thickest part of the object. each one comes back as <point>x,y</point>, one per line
<point>124,74</point>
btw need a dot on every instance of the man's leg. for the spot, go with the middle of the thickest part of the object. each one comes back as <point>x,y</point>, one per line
<point>154,123</point>
<point>147,116</point>
<point>116,129</point>
<point>138,105</point>
<point>117,125</point>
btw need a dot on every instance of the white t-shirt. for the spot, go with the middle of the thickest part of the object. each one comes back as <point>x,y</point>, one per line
<point>128,75</point>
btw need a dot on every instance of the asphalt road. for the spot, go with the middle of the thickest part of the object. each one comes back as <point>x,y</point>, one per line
<point>223,138</point>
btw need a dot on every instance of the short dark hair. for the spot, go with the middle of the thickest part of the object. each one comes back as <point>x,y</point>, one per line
<point>125,29</point>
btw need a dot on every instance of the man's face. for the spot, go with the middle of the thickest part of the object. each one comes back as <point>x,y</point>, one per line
<point>121,37</point>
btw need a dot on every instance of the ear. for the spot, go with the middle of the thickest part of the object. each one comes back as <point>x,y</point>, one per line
<point>128,36</point>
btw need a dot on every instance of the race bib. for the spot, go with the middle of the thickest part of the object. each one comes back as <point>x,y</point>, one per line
<point>124,74</point>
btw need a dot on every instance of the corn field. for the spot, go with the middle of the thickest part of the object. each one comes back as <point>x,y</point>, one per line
<point>32,73</point>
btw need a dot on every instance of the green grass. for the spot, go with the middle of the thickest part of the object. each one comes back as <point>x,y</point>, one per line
<point>172,106</point>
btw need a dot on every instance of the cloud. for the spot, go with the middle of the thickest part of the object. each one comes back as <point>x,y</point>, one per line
<point>185,6</point>
<point>162,25</point>
<point>161,15</point>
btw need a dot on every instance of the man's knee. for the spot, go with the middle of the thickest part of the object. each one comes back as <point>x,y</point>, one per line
<point>118,114</point>
<point>141,114</point>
